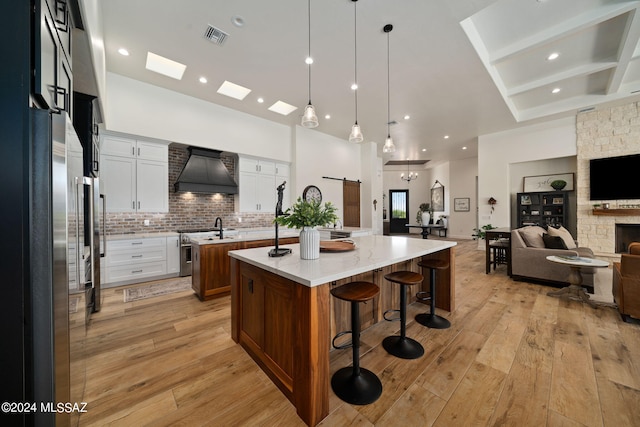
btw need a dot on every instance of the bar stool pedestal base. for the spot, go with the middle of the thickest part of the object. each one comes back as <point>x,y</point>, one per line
<point>403,347</point>
<point>356,389</point>
<point>432,321</point>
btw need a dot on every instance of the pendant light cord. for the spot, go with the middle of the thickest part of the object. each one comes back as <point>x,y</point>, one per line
<point>309,56</point>
<point>388,92</point>
<point>355,44</point>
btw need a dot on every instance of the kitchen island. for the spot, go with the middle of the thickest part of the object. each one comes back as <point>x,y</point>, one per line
<point>283,316</point>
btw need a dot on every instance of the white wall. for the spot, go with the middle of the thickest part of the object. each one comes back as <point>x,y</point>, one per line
<point>496,152</point>
<point>316,155</point>
<point>141,109</point>
<point>463,175</point>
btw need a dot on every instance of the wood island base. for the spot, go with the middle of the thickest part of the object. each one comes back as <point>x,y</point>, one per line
<point>286,327</point>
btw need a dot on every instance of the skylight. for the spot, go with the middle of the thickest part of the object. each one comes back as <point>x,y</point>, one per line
<point>282,108</point>
<point>165,66</point>
<point>233,90</point>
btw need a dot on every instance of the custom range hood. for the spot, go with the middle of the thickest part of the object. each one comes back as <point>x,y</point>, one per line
<point>204,172</point>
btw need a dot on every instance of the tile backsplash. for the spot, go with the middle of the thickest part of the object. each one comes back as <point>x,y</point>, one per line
<point>187,210</point>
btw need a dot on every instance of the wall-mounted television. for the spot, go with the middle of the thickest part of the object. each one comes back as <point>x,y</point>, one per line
<point>615,178</point>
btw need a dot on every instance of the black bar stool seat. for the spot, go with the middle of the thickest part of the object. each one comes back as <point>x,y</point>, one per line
<point>356,385</point>
<point>403,346</point>
<point>432,320</point>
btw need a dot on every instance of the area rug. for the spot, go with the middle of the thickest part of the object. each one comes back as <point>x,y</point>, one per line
<point>157,289</point>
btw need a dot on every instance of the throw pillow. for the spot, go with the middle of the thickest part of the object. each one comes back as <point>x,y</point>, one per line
<point>564,233</point>
<point>553,242</point>
<point>532,236</point>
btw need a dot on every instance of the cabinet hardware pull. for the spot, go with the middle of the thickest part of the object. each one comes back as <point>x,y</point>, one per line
<point>250,286</point>
<point>136,256</point>
<point>138,205</point>
<point>133,151</point>
<point>136,271</point>
<point>136,243</point>
<point>133,204</point>
<point>138,152</point>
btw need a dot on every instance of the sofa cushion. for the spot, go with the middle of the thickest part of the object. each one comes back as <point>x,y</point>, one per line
<point>532,236</point>
<point>553,242</point>
<point>564,233</point>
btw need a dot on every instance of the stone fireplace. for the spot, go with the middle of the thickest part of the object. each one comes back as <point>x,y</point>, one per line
<point>625,234</point>
<point>606,132</point>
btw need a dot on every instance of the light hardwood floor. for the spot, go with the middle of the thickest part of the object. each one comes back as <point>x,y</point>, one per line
<point>513,356</point>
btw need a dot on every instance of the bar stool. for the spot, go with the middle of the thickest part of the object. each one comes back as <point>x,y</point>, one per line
<point>356,385</point>
<point>500,252</point>
<point>402,346</point>
<point>432,320</point>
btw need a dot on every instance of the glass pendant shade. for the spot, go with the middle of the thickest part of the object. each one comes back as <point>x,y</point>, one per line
<point>356,134</point>
<point>309,118</point>
<point>388,147</point>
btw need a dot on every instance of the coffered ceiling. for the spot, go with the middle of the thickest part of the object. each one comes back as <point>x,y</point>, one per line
<point>458,68</point>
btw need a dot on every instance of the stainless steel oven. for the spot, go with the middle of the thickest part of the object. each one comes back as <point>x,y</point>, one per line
<point>185,255</point>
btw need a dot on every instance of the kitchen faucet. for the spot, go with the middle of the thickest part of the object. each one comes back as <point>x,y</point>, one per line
<point>218,219</point>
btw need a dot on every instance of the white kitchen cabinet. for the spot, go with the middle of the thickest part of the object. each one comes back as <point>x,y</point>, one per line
<point>173,255</point>
<point>134,175</point>
<point>141,259</point>
<point>283,173</point>
<point>257,183</point>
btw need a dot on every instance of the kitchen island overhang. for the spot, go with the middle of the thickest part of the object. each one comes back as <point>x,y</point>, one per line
<point>281,310</point>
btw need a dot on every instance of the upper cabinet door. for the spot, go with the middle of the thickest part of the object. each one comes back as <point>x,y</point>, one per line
<point>152,151</point>
<point>152,188</point>
<point>118,182</point>
<point>118,146</point>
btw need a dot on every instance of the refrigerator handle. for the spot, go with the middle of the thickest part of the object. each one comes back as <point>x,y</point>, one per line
<point>89,183</point>
<point>78,208</point>
<point>104,226</point>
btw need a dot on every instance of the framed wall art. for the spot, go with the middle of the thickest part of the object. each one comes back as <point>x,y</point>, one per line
<point>437,197</point>
<point>562,181</point>
<point>461,204</point>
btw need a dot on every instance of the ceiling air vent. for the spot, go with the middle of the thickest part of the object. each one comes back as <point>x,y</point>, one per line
<point>215,35</point>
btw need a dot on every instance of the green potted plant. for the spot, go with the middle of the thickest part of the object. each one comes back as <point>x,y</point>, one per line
<point>480,233</point>
<point>306,216</point>
<point>425,214</point>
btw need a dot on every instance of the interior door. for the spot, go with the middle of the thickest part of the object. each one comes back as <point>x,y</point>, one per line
<point>351,203</point>
<point>399,209</point>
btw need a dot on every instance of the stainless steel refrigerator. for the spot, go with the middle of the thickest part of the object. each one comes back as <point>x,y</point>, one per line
<point>66,285</point>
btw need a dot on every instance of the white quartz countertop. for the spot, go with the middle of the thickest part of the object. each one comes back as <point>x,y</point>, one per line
<point>345,229</point>
<point>371,252</point>
<point>127,236</point>
<point>244,235</point>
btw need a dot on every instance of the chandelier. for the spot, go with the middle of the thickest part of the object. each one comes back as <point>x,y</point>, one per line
<point>411,176</point>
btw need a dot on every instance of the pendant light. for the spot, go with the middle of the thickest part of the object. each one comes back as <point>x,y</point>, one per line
<point>309,118</point>
<point>388,147</point>
<point>356,133</point>
<point>411,176</point>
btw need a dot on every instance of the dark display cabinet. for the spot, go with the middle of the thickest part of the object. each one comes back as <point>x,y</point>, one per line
<point>543,209</point>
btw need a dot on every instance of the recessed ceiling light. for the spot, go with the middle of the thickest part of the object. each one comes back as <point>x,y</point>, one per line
<point>260,100</point>
<point>555,90</point>
<point>165,66</point>
<point>553,56</point>
<point>124,52</point>
<point>446,137</point>
<point>282,108</point>
<point>464,148</point>
<point>354,86</point>
<point>327,116</point>
<point>233,90</point>
<point>308,60</point>
<point>407,117</point>
<point>238,21</point>
<point>203,79</point>
<point>424,149</point>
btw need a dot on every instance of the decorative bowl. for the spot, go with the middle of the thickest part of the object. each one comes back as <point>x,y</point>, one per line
<point>558,184</point>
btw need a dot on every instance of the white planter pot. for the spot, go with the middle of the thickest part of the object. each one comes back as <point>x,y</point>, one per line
<point>425,218</point>
<point>309,243</point>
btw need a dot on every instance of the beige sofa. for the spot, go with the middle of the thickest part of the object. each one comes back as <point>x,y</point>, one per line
<point>529,262</point>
